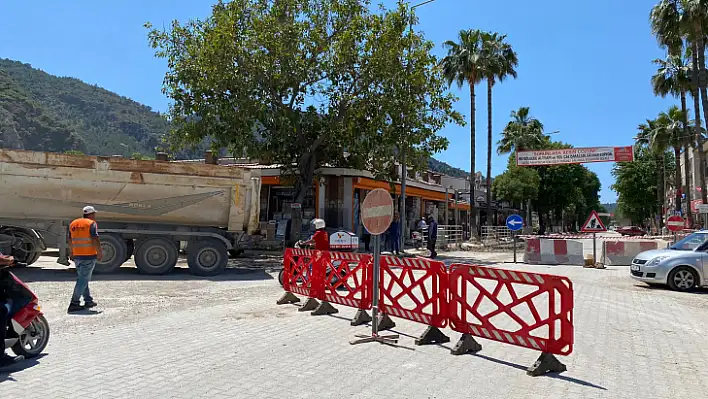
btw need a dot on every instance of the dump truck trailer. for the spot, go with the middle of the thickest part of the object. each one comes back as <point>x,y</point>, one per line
<point>144,209</point>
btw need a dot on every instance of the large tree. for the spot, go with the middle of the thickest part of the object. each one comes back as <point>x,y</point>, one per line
<point>673,78</point>
<point>645,138</point>
<point>464,64</point>
<point>303,83</point>
<point>500,62</point>
<point>675,22</point>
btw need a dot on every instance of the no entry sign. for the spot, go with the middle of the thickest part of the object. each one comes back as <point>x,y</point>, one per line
<point>675,223</point>
<point>377,211</point>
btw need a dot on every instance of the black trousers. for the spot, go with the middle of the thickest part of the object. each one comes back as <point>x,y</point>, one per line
<point>431,247</point>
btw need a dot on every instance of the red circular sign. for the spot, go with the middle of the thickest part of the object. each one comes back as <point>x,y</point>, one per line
<point>675,223</point>
<point>377,211</point>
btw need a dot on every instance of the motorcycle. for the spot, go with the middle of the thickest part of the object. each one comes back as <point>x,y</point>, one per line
<point>301,245</point>
<point>27,330</point>
<point>417,239</point>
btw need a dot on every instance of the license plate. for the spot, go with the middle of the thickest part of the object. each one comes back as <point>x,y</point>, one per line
<point>634,268</point>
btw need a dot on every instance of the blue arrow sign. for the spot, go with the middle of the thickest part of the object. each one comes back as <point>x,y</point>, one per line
<point>514,222</point>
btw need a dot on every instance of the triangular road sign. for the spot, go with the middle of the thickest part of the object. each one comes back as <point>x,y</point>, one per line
<point>593,224</point>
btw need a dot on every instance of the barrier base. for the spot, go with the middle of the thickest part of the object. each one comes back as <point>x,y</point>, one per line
<point>324,309</point>
<point>310,304</point>
<point>361,317</point>
<point>385,322</point>
<point>465,345</point>
<point>287,298</point>
<point>546,363</point>
<point>382,339</point>
<point>432,335</point>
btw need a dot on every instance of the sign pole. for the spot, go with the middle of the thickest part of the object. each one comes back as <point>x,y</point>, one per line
<point>375,292</point>
<point>376,215</point>
<point>513,243</point>
<point>594,247</point>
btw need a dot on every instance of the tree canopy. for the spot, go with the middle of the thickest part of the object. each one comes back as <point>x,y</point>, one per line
<point>306,83</point>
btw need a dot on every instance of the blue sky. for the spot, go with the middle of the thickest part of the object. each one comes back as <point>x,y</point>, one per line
<point>584,66</point>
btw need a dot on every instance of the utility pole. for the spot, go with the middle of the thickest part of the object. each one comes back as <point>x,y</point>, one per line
<point>404,169</point>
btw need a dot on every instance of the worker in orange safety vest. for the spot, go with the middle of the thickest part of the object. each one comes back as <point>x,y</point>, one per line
<point>85,251</point>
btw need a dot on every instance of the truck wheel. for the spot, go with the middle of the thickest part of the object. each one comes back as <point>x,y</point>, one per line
<point>130,245</point>
<point>156,256</point>
<point>113,249</point>
<point>207,257</point>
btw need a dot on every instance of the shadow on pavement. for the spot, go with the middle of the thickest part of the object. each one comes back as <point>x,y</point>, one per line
<point>662,287</point>
<point>37,273</point>
<point>6,372</point>
<point>557,376</point>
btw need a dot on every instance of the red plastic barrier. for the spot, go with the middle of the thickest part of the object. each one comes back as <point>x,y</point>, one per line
<point>347,279</point>
<point>414,289</point>
<point>302,272</point>
<point>486,302</point>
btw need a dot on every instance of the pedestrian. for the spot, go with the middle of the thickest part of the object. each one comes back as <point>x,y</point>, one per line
<point>367,240</point>
<point>85,251</point>
<point>394,234</point>
<point>432,236</point>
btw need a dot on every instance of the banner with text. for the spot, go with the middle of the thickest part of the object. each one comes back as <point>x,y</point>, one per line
<point>575,155</point>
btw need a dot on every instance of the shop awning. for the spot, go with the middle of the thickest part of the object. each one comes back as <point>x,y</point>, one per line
<point>371,184</point>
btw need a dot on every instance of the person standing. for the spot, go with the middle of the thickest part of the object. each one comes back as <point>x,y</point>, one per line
<point>85,251</point>
<point>432,236</point>
<point>394,234</point>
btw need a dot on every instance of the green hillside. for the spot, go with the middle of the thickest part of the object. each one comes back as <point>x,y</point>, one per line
<point>42,112</point>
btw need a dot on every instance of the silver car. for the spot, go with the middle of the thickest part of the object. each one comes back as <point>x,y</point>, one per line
<point>683,266</point>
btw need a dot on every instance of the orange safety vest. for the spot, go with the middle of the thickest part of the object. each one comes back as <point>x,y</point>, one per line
<point>81,239</point>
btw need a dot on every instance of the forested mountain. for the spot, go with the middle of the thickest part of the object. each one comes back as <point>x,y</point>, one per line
<point>42,112</point>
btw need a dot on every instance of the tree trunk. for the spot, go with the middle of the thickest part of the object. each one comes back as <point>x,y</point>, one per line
<point>659,190</point>
<point>687,172</point>
<point>677,178</point>
<point>490,84</point>
<point>303,182</point>
<point>699,86</point>
<point>473,110</point>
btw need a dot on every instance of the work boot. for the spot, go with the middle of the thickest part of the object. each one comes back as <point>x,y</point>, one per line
<point>90,304</point>
<point>74,307</point>
<point>7,360</point>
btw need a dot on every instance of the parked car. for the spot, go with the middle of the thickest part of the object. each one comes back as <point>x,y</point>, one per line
<point>631,231</point>
<point>682,266</point>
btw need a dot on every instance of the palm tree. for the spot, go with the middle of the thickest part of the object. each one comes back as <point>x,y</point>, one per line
<point>672,21</point>
<point>463,64</point>
<point>523,132</point>
<point>672,77</point>
<point>671,134</point>
<point>647,131</point>
<point>500,62</point>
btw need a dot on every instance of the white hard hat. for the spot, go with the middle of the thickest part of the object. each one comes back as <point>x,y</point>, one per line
<point>318,223</point>
<point>89,210</point>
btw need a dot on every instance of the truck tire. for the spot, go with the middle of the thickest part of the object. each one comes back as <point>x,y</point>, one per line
<point>156,256</point>
<point>207,257</point>
<point>114,250</point>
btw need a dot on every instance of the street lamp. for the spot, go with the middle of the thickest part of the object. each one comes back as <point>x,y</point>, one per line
<point>404,169</point>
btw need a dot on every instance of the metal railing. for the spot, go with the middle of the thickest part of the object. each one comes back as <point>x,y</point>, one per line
<point>497,237</point>
<point>449,236</point>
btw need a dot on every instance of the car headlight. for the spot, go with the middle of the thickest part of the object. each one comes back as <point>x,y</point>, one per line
<point>656,261</point>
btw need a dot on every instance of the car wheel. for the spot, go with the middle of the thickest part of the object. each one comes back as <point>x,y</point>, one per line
<point>683,279</point>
